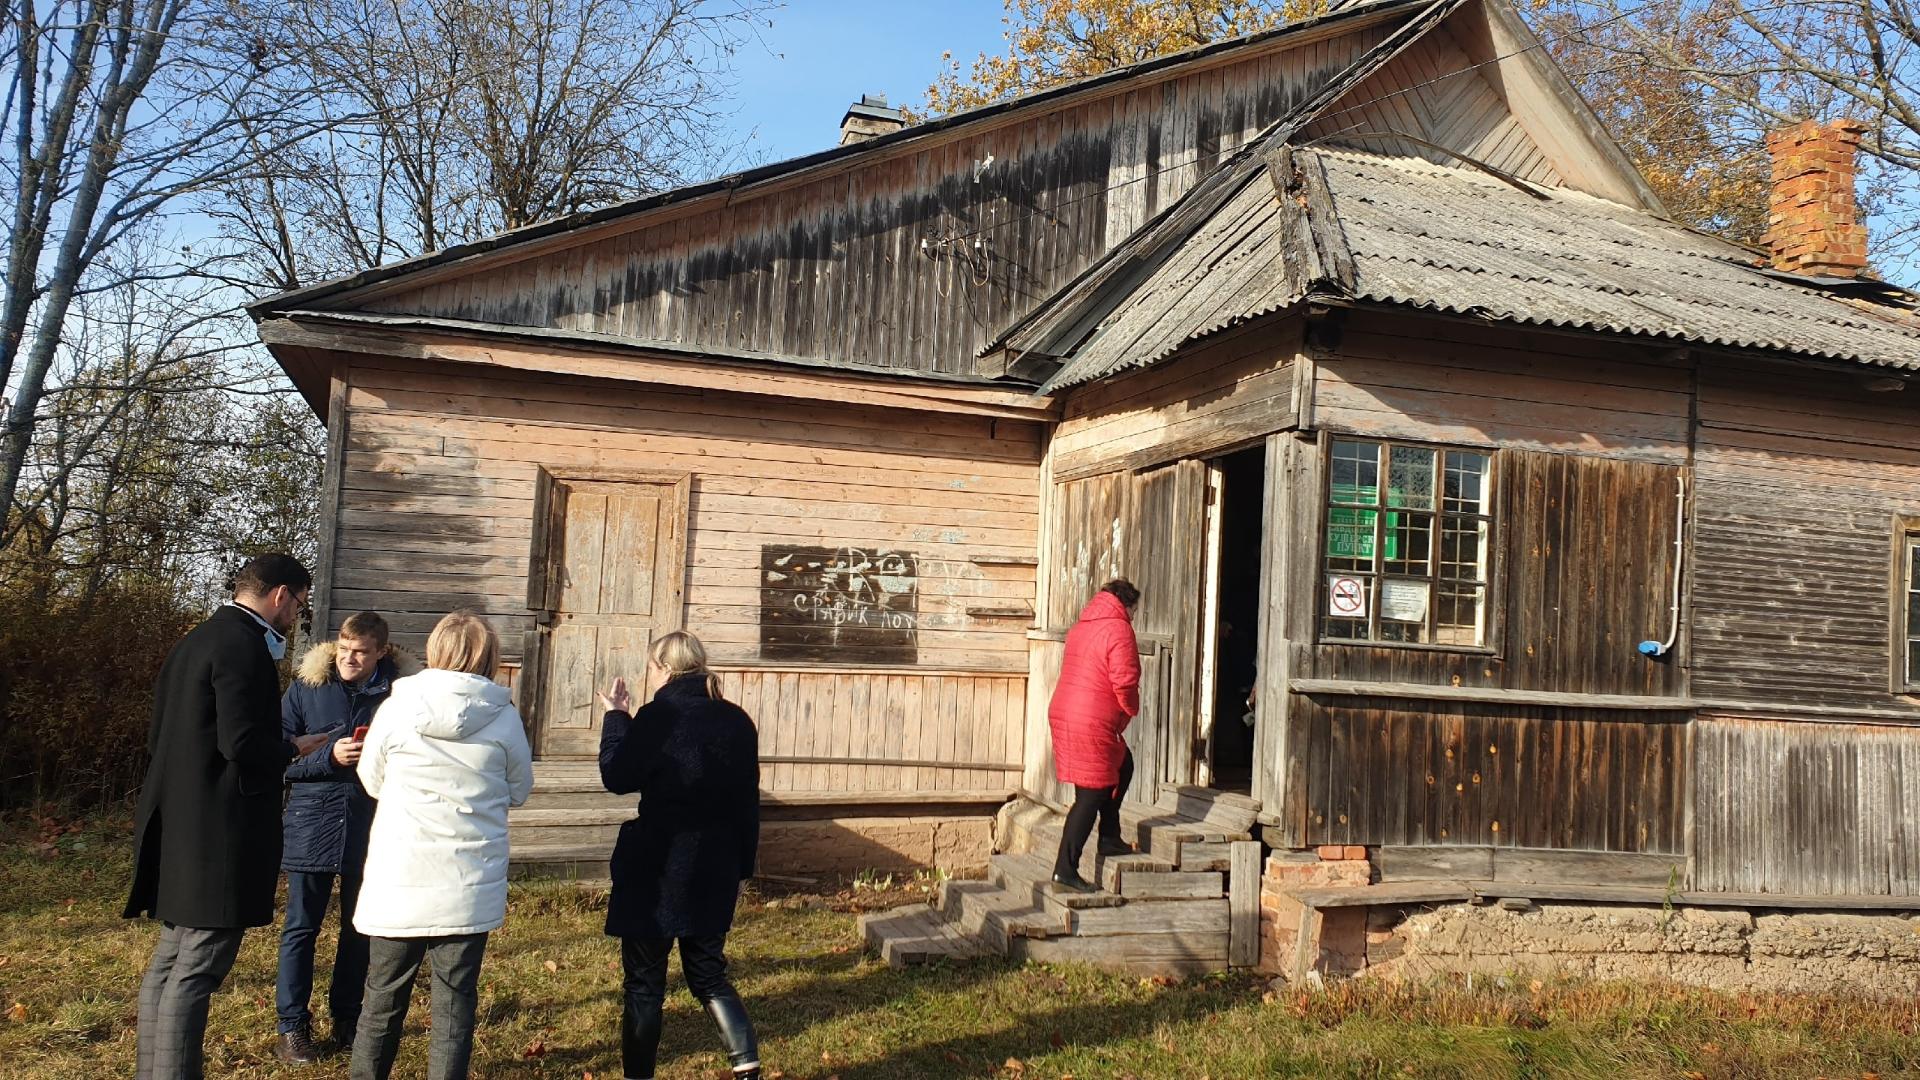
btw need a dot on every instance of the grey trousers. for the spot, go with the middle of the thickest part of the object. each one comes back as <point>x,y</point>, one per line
<point>391,966</point>
<point>188,966</point>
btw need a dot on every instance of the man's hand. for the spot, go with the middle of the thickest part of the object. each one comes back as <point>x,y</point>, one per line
<point>346,752</point>
<point>307,744</point>
<point>616,699</point>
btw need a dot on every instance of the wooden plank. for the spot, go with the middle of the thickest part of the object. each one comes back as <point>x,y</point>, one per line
<point>1401,863</point>
<point>329,505</point>
<point>1171,884</point>
<point>1489,695</point>
<point>1243,902</point>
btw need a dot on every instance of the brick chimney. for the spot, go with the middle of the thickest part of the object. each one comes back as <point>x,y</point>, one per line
<point>1813,225</point>
<point>869,118</point>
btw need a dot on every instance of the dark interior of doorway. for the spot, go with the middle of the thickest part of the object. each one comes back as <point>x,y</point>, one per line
<point>1237,647</point>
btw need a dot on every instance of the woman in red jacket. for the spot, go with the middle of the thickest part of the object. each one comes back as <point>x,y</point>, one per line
<point>1098,694</point>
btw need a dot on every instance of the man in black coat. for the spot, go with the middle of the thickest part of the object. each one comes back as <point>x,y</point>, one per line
<point>207,839</point>
<point>336,690</point>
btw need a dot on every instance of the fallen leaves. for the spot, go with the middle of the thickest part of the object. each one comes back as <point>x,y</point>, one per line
<point>553,967</point>
<point>18,1013</point>
<point>536,1048</point>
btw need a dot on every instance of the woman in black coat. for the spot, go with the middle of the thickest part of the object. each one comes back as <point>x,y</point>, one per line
<point>694,759</point>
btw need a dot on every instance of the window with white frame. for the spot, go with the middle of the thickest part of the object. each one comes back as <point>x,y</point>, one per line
<point>1409,539</point>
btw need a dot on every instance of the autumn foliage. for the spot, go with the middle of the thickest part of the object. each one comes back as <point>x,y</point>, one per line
<point>1050,42</point>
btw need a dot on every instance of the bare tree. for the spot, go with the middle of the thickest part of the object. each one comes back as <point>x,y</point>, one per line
<point>475,116</point>
<point>1746,66</point>
<point>113,111</point>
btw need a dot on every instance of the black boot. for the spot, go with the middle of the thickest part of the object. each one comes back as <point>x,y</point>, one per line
<point>736,1031</point>
<point>1111,845</point>
<point>1072,882</point>
<point>296,1047</point>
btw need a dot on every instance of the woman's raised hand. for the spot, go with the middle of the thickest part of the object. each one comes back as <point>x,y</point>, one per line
<point>616,699</point>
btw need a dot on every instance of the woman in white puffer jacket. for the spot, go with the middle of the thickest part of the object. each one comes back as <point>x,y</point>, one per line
<point>445,759</point>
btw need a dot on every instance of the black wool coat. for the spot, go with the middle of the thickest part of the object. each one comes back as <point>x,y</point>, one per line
<point>207,837</point>
<point>695,762</point>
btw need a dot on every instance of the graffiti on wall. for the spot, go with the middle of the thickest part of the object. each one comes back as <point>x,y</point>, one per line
<point>838,604</point>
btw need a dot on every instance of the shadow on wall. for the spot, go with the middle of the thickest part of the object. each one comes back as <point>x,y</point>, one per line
<point>954,843</point>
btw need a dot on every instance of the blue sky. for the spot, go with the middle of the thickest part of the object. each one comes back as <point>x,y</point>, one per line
<point>819,56</point>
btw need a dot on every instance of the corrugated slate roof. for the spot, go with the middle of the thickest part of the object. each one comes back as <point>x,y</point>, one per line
<point>1455,240</point>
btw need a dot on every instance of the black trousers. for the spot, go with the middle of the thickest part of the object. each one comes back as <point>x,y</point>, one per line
<point>703,961</point>
<point>1091,804</point>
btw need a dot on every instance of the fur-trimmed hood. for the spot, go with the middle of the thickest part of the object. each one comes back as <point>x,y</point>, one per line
<point>316,664</point>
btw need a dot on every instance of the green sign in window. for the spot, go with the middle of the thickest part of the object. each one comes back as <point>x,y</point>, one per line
<point>1350,529</point>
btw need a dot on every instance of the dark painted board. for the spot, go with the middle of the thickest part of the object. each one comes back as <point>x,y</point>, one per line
<point>1485,775</point>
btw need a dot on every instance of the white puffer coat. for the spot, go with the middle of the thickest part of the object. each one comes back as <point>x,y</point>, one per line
<point>445,758</point>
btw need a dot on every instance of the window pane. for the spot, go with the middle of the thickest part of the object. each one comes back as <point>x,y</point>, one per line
<point>1463,549</point>
<point>1410,477</point>
<point>1465,489</point>
<point>1356,473</point>
<point>1344,629</point>
<point>1913,660</point>
<point>1350,536</point>
<point>1409,544</point>
<point>1460,615</point>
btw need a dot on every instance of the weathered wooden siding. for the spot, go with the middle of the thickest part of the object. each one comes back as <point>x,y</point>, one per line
<point>1229,390</point>
<point>1444,382</point>
<point>1427,773</point>
<point>883,729</point>
<point>1799,481</point>
<point>1583,573</point>
<point>832,265</point>
<point>1436,92</point>
<point>1805,809</point>
<point>438,487</point>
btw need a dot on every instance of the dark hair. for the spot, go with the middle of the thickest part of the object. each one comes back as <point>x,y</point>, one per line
<point>264,573</point>
<point>1123,591</point>
<point>366,626</point>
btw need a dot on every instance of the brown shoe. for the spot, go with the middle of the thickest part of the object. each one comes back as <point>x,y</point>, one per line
<point>296,1047</point>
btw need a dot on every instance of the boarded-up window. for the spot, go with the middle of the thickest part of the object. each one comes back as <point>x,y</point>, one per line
<point>1409,534</point>
<point>840,605</point>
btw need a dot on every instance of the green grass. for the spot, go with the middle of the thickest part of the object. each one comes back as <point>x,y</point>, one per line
<point>550,1005</point>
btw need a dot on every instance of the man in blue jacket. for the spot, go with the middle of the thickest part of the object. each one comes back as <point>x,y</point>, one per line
<point>336,690</point>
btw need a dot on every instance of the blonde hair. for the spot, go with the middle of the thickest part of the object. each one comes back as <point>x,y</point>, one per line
<point>463,641</point>
<point>680,653</point>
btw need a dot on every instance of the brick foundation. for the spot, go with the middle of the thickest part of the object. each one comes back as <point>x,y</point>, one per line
<point>1340,947</point>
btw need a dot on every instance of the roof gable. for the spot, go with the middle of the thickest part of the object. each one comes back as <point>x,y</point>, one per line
<point>915,251</point>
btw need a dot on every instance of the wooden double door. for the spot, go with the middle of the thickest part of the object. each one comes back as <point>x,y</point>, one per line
<point>609,578</point>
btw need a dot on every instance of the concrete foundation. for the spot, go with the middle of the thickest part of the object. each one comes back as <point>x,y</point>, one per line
<point>957,844</point>
<point>1720,948</point>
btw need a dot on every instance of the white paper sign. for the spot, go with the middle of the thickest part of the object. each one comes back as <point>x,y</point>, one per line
<point>1346,597</point>
<point>1404,601</point>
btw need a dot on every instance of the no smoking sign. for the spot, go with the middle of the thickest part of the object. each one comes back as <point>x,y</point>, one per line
<point>1346,597</point>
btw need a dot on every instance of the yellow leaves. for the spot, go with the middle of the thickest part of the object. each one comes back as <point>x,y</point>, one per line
<point>1050,42</point>
<point>18,1012</point>
<point>553,968</point>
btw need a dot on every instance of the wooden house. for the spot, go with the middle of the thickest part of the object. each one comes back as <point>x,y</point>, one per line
<point>1497,536</point>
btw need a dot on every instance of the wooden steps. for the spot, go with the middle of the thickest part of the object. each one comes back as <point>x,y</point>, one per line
<point>1163,909</point>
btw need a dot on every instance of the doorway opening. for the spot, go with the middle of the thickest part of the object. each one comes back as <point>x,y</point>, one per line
<point>1236,523</point>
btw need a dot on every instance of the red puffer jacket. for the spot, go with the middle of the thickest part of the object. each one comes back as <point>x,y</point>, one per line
<point>1098,693</point>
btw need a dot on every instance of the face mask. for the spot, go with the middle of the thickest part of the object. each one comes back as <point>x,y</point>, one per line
<point>276,645</point>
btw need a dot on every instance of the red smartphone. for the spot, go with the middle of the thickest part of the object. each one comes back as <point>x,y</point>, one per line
<point>360,733</point>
